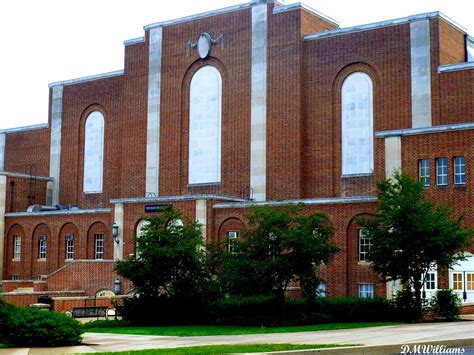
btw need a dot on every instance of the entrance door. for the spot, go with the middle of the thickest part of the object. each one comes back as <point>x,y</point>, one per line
<point>461,279</point>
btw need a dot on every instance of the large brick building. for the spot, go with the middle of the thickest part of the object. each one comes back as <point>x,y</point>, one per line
<point>250,104</point>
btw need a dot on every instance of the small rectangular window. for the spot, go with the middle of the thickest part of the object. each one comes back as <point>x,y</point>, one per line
<point>459,171</point>
<point>424,171</point>
<point>16,277</point>
<point>441,171</point>
<point>470,281</point>
<point>457,281</point>
<point>69,246</point>
<point>232,237</point>
<point>366,290</point>
<point>365,243</point>
<point>99,246</point>
<point>17,247</point>
<point>469,49</point>
<point>42,247</point>
<point>430,281</point>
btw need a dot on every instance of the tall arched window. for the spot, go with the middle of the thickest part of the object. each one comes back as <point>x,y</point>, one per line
<point>205,108</point>
<point>357,125</point>
<point>94,152</point>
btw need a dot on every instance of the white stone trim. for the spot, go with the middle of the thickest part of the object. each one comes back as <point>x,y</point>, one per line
<point>455,67</point>
<point>119,219</point>
<point>154,105</point>
<point>24,128</point>
<point>176,198</point>
<point>55,148</point>
<point>420,73</point>
<point>258,126</point>
<point>377,25</point>
<point>133,41</point>
<point>309,201</point>
<point>198,16</point>
<point>2,151</point>
<point>393,155</point>
<point>3,199</point>
<point>426,130</point>
<point>201,217</point>
<point>59,212</point>
<point>298,6</point>
<point>26,176</point>
<point>87,78</point>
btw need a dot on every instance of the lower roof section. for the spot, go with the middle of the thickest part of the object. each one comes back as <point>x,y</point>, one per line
<point>177,198</point>
<point>59,212</point>
<point>309,201</point>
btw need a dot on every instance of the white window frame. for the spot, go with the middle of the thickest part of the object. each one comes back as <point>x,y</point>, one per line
<point>357,108</point>
<point>94,152</point>
<point>365,243</point>
<point>424,172</point>
<point>366,290</point>
<point>42,247</point>
<point>459,280</point>
<point>99,246</point>
<point>16,247</point>
<point>431,281</point>
<point>69,246</point>
<point>442,171</point>
<point>16,277</point>
<point>232,237</point>
<point>459,169</point>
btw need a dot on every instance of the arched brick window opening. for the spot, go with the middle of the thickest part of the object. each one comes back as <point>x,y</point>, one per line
<point>99,242</point>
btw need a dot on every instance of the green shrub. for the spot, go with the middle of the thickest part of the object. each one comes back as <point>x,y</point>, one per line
<point>446,304</point>
<point>29,326</point>
<point>405,305</point>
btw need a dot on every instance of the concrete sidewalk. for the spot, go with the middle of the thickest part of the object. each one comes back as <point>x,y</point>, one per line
<point>455,334</point>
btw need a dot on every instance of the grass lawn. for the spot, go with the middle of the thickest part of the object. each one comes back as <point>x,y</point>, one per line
<point>230,330</point>
<point>226,349</point>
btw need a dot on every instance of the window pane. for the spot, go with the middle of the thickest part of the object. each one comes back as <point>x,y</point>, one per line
<point>424,171</point>
<point>357,124</point>
<point>459,170</point>
<point>442,171</point>
<point>205,108</point>
<point>17,247</point>
<point>42,247</point>
<point>93,152</point>
<point>366,290</point>
<point>99,246</point>
<point>365,243</point>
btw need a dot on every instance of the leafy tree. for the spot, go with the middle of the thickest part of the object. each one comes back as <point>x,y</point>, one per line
<point>411,234</point>
<point>281,246</point>
<point>170,258</point>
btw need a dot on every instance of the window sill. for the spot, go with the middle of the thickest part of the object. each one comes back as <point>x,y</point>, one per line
<point>357,175</point>
<point>363,263</point>
<point>68,260</point>
<point>205,184</point>
<point>459,186</point>
<point>16,259</point>
<point>41,260</point>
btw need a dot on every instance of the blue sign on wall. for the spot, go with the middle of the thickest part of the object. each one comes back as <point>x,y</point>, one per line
<point>156,207</point>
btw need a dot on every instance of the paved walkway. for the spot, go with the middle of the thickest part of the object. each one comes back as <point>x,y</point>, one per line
<point>452,334</point>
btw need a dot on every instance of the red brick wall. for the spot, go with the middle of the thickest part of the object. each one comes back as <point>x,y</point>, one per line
<point>233,62</point>
<point>55,227</point>
<point>383,54</point>
<point>26,192</point>
<point>28,151</point>
<point>79,101</point>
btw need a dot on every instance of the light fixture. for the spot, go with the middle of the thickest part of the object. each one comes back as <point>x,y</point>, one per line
<point>115,232</point>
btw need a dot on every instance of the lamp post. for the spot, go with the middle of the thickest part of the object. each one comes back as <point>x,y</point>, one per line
<point>115,232</point>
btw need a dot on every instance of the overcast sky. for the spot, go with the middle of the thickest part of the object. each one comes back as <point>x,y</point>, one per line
<point>53,40</point>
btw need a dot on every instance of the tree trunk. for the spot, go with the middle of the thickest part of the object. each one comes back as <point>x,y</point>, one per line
<point>418,306</point>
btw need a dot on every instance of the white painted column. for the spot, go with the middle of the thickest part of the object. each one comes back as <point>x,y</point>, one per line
<point>153,120</point>
<point>420,73</point>
<point>258,130</point>
<point>201,217</point>
<point>3,199</point>
<point>55,150</point>
<point>118,218</point>
<point>2,150</point>
<point>393,155</point>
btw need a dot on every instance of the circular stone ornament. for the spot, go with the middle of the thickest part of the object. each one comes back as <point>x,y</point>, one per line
<point>204,43</point>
